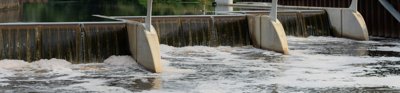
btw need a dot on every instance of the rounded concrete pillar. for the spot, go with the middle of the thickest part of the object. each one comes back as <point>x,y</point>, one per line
<point>267,33</point>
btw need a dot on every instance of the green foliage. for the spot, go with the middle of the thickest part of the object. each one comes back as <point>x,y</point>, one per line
<point>56,10</point>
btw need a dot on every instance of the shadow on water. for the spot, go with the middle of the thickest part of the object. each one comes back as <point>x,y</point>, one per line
<point>351,48</point>
<point>137,85</point>
<point>28,86</point>
<point>380,69</point>
<point>24,86</point>
<point>41,81</point>
<point>374,53</point>
<point>382,89</point>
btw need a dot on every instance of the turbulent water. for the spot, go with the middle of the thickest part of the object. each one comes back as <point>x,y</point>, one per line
<point>315,64</point>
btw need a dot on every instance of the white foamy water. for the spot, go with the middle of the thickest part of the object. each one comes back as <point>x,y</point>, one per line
<point>315,64</point>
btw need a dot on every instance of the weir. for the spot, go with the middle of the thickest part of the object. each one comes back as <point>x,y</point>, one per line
<point>211,30</point>
<point>306,24</point>
<point>303,23</point>
<point>75,42</point>
<point>380,21</point>
<point>140,36</point>
<point>230,30</point>
<point>346,22</point>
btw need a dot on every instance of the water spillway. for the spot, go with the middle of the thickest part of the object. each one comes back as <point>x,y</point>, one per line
<point>210,30</point>
<point>302,23</point>
<point>75,42</point>
<point>231,30</point>
<point>306,24</point>
<point>95,41</point>
<point>378,19</point>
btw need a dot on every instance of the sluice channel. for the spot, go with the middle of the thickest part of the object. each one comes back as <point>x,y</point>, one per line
<point>380,22</point>
<point>75,42</point>
<point>306,24</point>
<point>94,42</point>
<point>182,31</point>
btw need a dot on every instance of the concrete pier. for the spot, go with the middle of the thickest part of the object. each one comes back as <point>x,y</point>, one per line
<point>144,46</point>
<point>348,22</point>
<point>267,31</point>
<point>379,21</point>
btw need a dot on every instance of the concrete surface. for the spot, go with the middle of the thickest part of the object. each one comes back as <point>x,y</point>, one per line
<point>348,23</point>
<point>144,46</point>
<point>268,34</point>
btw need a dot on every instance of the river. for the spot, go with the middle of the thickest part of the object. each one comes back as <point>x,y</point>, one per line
<point>315,63</point>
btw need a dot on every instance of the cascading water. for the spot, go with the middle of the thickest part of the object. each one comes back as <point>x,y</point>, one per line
<point>306,24</point>
<point>73,42</point>
<point>201,30</point>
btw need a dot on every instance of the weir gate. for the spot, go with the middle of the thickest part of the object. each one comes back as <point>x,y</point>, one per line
<point>81,42</point>
<point>75,42</point>
<point>95,41</point>
<point>379,20</point>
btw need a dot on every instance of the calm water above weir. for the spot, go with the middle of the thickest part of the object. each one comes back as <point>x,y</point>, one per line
<point>82,10</point>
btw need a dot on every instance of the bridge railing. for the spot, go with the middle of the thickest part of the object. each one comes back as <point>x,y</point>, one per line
<point>396,4</point>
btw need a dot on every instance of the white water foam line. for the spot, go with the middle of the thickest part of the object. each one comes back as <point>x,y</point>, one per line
<point>223,69</point>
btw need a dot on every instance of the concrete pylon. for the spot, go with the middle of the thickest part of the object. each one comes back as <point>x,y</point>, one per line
<point>348,22</point>
<point>354,5</point>
<point>144,44</point>
<point>267,32</point>
<point>149,12</point>
<point>274,10</point>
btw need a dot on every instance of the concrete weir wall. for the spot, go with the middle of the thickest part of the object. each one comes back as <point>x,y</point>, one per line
<point>144,46</point>
<point>77,42</point>
<point>205,30</point>
<point>380,22</point>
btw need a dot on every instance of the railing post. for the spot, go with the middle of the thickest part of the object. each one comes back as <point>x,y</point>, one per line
<point>149,11</point>
<point>273,13</point>
<point>354,5</point>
